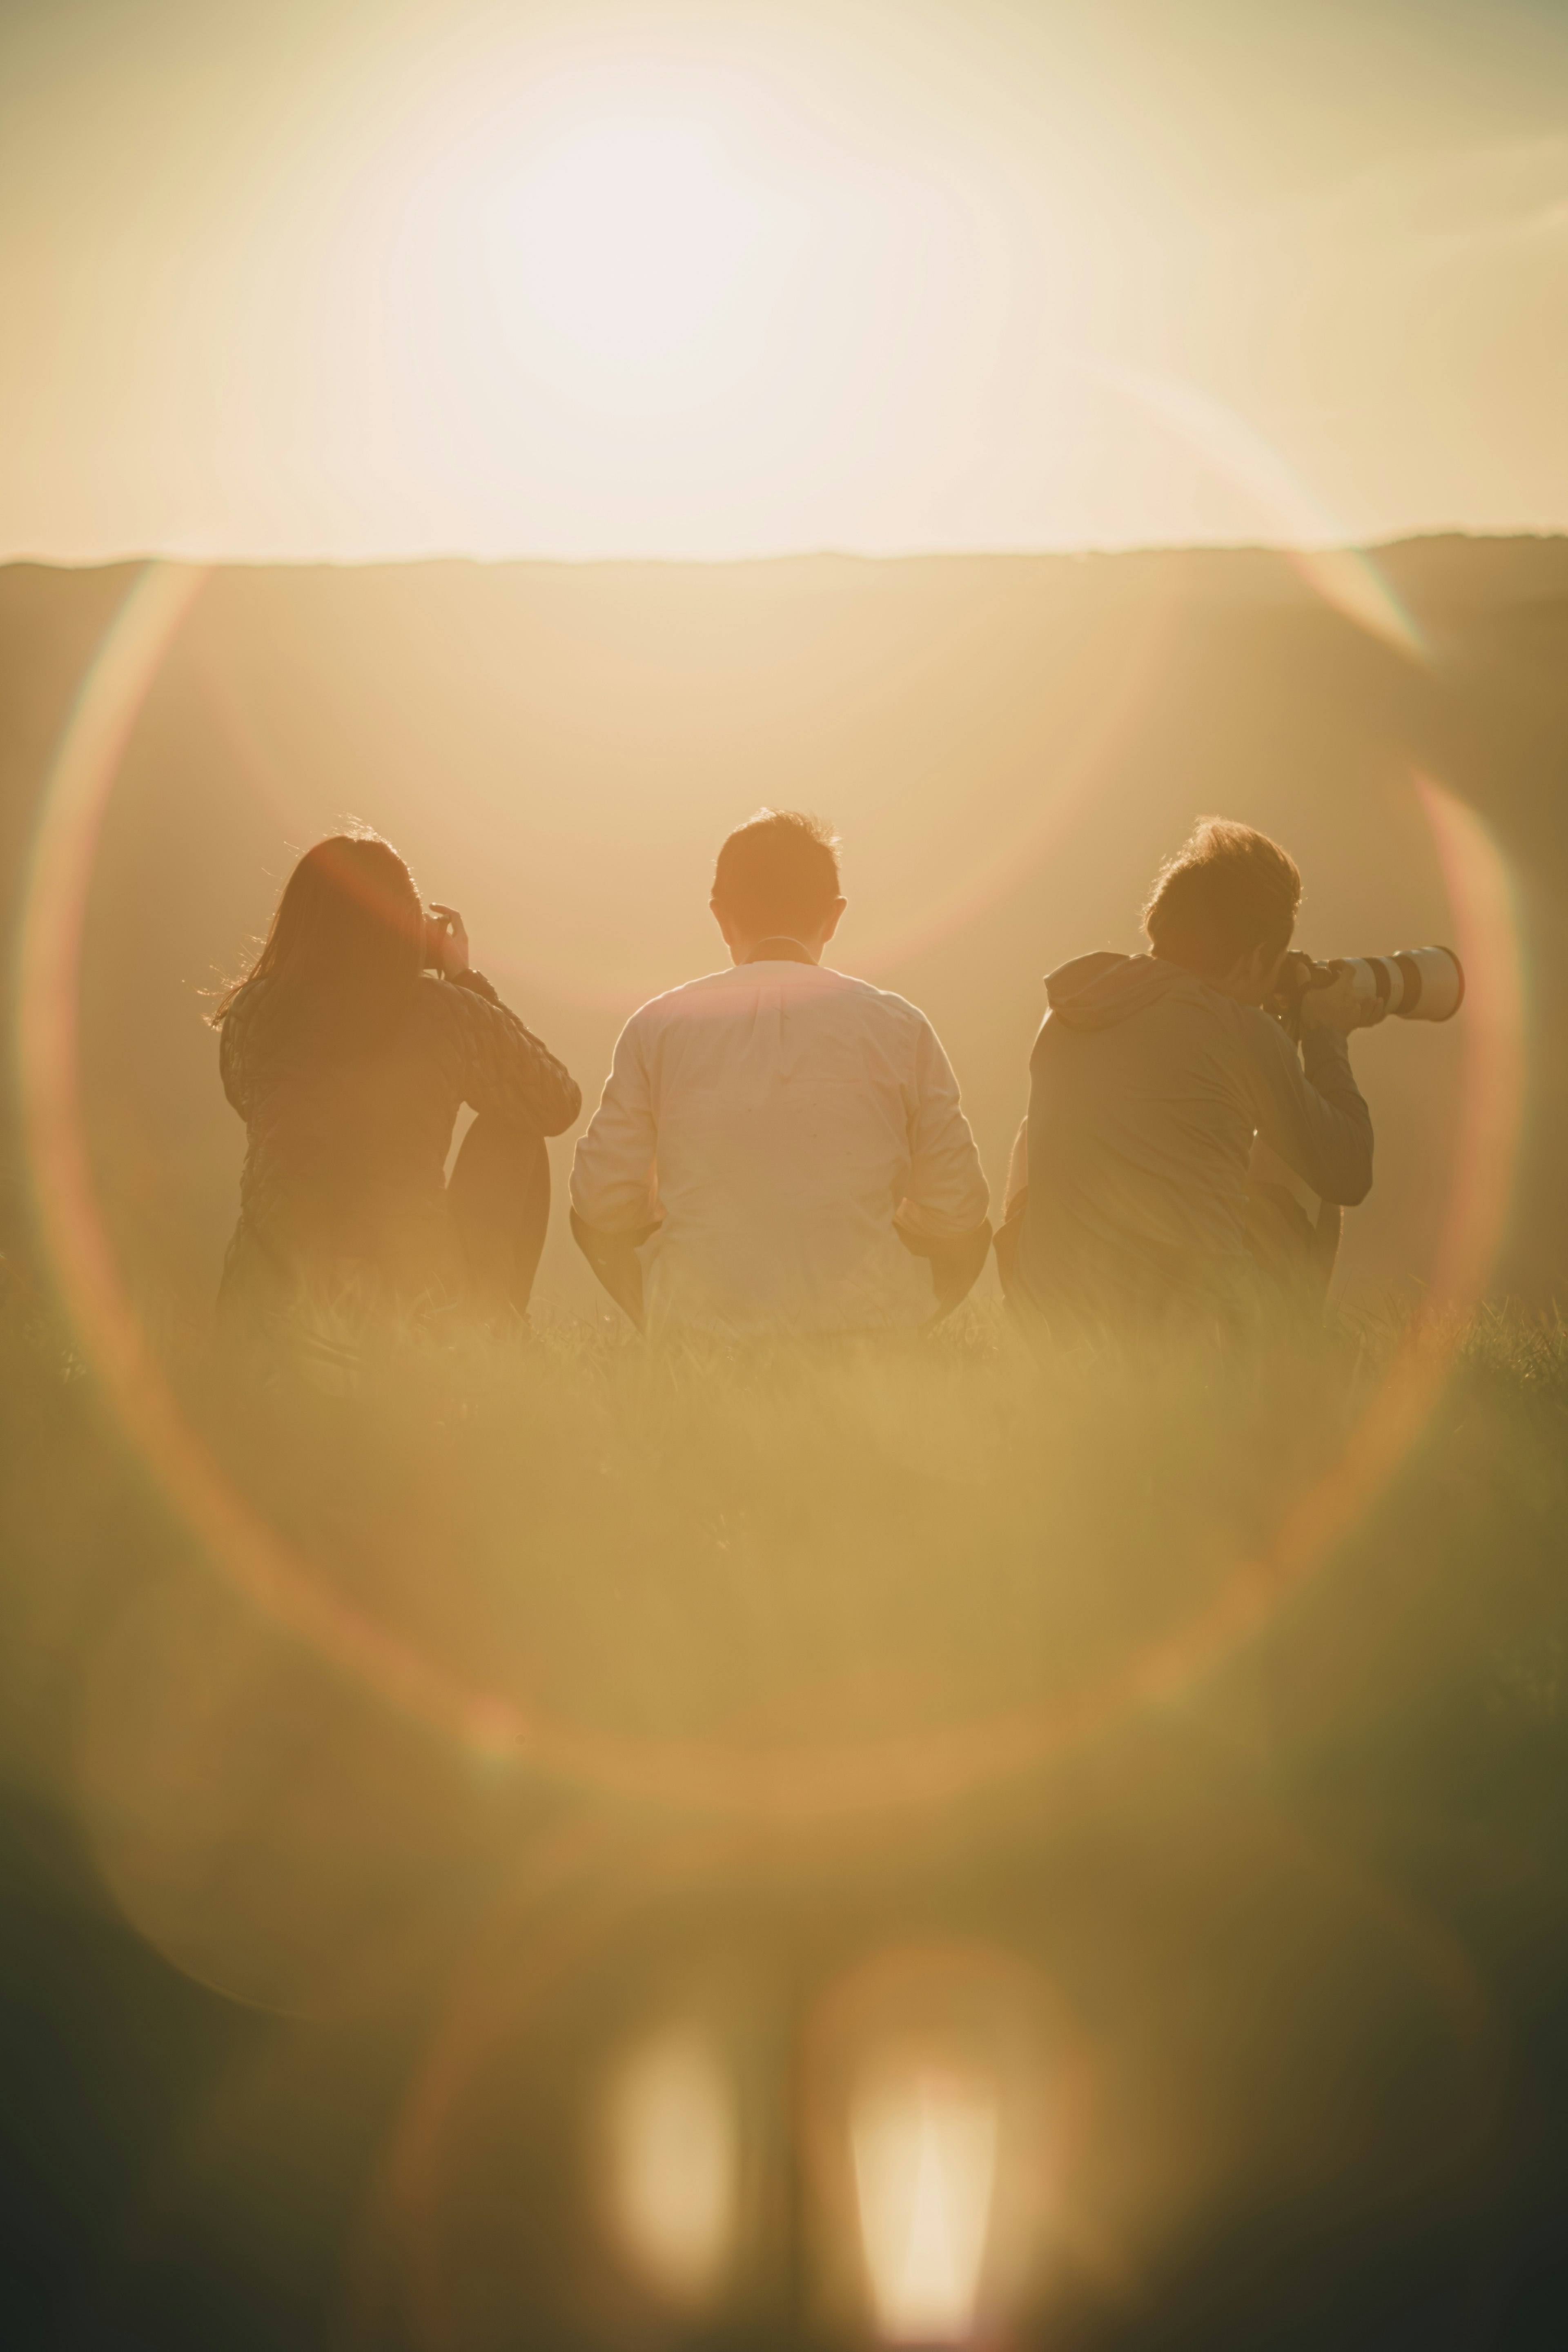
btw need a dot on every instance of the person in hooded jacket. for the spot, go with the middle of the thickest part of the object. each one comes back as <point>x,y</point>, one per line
<point>1157,1082</point>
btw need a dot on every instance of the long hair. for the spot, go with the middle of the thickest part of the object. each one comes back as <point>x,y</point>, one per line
<point>345,951</point>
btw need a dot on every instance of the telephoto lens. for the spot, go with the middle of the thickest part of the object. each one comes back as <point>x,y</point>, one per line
<point>1415,983</point>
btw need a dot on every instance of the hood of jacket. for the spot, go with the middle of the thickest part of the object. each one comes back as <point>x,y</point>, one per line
<point>1095,992</point>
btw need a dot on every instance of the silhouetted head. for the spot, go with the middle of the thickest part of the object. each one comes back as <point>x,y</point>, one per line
<point>1225,905</point>
<point>776,877</point>
<point>346,943</point>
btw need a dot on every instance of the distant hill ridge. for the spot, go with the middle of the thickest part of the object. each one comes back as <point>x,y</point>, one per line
<point>1448,568</point>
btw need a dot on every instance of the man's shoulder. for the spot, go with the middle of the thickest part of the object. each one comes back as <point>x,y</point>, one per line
<point>671,1002</point>
<point>879,1000</point>
<point>821,982</point>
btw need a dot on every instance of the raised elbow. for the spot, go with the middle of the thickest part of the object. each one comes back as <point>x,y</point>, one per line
<point>563,1109</point>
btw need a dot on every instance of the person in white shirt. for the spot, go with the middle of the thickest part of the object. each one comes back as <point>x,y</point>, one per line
<point>780,1148</point>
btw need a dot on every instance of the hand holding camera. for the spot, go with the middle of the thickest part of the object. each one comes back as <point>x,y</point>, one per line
<point>446,941</point>
<point>1358,992</point>
<point>1329,1001</point>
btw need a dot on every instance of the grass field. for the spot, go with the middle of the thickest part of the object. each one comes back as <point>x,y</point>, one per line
<point>1157,1678</point>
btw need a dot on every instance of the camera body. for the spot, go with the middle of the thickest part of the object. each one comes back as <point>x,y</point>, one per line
<point>1413,984</point>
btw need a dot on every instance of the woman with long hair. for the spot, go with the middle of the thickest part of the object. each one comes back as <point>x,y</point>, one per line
<point>348,1049</point>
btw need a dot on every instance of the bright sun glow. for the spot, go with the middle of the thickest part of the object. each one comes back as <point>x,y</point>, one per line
<point>619,262</point>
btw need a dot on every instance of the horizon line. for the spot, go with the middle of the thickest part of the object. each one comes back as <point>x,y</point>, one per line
<point>1093,552</point>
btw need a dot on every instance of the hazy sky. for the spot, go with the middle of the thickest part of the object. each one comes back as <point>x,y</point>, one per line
<point>352,277</point>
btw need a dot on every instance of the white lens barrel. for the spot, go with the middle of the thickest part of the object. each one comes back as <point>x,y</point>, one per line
<point>1415,984</point>
<point>1371,977</point>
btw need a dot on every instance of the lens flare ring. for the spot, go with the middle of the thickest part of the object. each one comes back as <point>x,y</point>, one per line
<point>802,1783</point>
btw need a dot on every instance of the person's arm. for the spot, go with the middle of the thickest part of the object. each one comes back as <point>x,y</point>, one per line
<point>948,1196</point>
<point>613,1177</point>
<point>1314,1116</point>
<point>505,1071</point>
<point>942,1215</point>
<point>615,1204</point>
<point>508,1072</point>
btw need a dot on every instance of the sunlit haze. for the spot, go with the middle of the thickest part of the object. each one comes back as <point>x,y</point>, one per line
<point>623,262</point>
<point>690,280</point>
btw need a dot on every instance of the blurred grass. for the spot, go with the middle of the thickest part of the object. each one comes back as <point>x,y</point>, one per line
<point>837,1545</point>
<point>766,1550</point>
<point>767,1545</point>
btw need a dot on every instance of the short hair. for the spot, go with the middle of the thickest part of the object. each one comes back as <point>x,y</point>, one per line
<point>778,872</point>
<point>1227,890</point>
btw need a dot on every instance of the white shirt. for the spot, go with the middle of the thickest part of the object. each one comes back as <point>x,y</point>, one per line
<point>776,1121</point>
